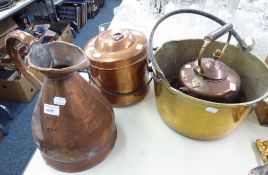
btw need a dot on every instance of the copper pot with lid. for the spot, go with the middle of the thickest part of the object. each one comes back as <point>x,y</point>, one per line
<point>209,78</point>
<point>118,65</point>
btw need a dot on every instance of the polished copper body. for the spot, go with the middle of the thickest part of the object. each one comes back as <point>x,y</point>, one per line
<point>78,131</point>
<point>209,78</point>
<point>218,89</point>
<point>118,65</point>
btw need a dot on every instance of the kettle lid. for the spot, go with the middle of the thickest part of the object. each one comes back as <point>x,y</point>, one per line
<point>213,69</point>
<point>116,48</point>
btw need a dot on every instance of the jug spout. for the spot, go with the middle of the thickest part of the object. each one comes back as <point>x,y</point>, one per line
<point>55,60</point>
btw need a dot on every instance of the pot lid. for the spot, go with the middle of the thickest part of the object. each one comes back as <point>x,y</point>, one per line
<point>116,48</point>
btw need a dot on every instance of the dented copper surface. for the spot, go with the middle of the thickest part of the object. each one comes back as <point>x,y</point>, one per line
<point>73,124</point>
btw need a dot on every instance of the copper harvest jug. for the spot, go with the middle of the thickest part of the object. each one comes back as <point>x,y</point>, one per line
<point>73,124</point>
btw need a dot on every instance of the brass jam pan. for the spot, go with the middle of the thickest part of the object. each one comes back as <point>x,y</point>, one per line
<point>197,118</point>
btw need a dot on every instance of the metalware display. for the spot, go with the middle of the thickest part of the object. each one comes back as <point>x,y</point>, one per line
<point>194,117</point>
<point>118,65</point>
<point>73,124</point>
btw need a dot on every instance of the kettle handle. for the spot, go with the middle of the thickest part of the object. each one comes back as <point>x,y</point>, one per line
<point>219,32</point>
<point>27,40</point>
<point>193,11</point>
<point>218,54</point>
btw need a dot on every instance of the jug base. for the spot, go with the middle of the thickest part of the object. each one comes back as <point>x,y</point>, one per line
<point>83,165</point>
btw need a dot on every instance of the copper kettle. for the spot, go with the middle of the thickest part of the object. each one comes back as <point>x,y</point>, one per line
<point>209,78</point>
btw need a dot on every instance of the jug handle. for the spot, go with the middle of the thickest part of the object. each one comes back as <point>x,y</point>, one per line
<point>27,40</point>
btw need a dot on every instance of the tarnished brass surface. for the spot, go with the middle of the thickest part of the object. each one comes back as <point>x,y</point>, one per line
<point>262,109</point>
<point>262,146</point>
<point>118,65</point>
<point>198,118</point>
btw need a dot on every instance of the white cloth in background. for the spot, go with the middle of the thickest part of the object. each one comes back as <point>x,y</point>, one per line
<point>137,15</point>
